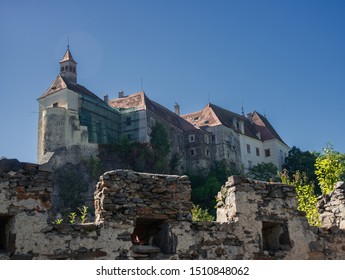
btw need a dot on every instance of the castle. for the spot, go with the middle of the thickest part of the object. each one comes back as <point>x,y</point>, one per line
<point>73,121</point>
<point>146,216</point>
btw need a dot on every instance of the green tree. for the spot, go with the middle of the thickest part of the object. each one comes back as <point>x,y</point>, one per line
<point>206,185</point>
<point>161,148</point>
<point>159,140</point>
<point>304,162</point>
<point>175,163</point>
<point>264,172</point>
<point>71,185</point>
<point>144,157</point>
<point>330,168</point>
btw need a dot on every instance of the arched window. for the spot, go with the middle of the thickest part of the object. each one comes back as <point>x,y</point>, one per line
<point>66,68</point>
<point>62,69</point>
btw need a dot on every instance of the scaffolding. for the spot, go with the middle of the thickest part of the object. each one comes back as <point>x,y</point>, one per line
<point>105,124</point>
<point>101,120</point>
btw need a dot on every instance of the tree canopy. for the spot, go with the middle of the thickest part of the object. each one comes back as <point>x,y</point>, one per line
<point>329,167</point>
<point>302,161</point>
<point>264,172</point>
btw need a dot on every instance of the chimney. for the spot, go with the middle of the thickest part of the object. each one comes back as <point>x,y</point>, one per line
<point>121,94</point>
<point>177,109</point>
<point>106,98</point>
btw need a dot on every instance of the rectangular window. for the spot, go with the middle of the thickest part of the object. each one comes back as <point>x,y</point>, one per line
<point>250,164</point>
<point>56,104</point>
<point>213,138</point>
<point>192,152</point>
<point>207,152</point>
<point>128,121</point>
<point>191,138</point>
<point>207,139</point>
<point>258,152</point>
<point>248,148</point>
<point>267,152</point>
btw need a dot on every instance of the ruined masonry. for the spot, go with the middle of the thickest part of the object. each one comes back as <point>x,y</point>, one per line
<point>148,216</point>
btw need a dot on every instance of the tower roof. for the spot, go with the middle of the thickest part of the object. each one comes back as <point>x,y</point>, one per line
<point>61,83</point>
<point>68,57</point>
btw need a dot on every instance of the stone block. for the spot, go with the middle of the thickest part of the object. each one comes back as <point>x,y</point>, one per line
<point>342,225</point>
<point>145,249</point>
<point>339,185</point>
<point>143,211</point>
<point>236,180</point>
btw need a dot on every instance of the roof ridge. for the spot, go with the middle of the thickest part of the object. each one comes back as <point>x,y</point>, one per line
<point>223,109</point>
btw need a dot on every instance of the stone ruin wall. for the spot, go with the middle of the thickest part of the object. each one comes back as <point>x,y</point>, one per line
<point>148,216</point>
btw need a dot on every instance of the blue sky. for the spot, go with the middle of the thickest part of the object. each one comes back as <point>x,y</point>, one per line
<point>285,59</point>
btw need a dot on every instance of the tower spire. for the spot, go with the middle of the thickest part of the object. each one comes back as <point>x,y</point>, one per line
<point>68,66</point>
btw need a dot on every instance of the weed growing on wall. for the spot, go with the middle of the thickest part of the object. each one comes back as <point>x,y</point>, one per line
<point>305,195</point>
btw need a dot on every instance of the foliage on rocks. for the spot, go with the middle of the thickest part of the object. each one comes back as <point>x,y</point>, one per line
<point>199,214</point>
<point>305,196</point>
<point>329,168</point>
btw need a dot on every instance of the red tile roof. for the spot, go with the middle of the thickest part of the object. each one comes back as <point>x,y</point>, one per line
<point>136,100</point>
<point>265,128</point>
<point>141,101</point>
<point>213,115</point>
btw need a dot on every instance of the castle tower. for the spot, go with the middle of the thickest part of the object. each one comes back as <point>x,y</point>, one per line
<point>68,67</point>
